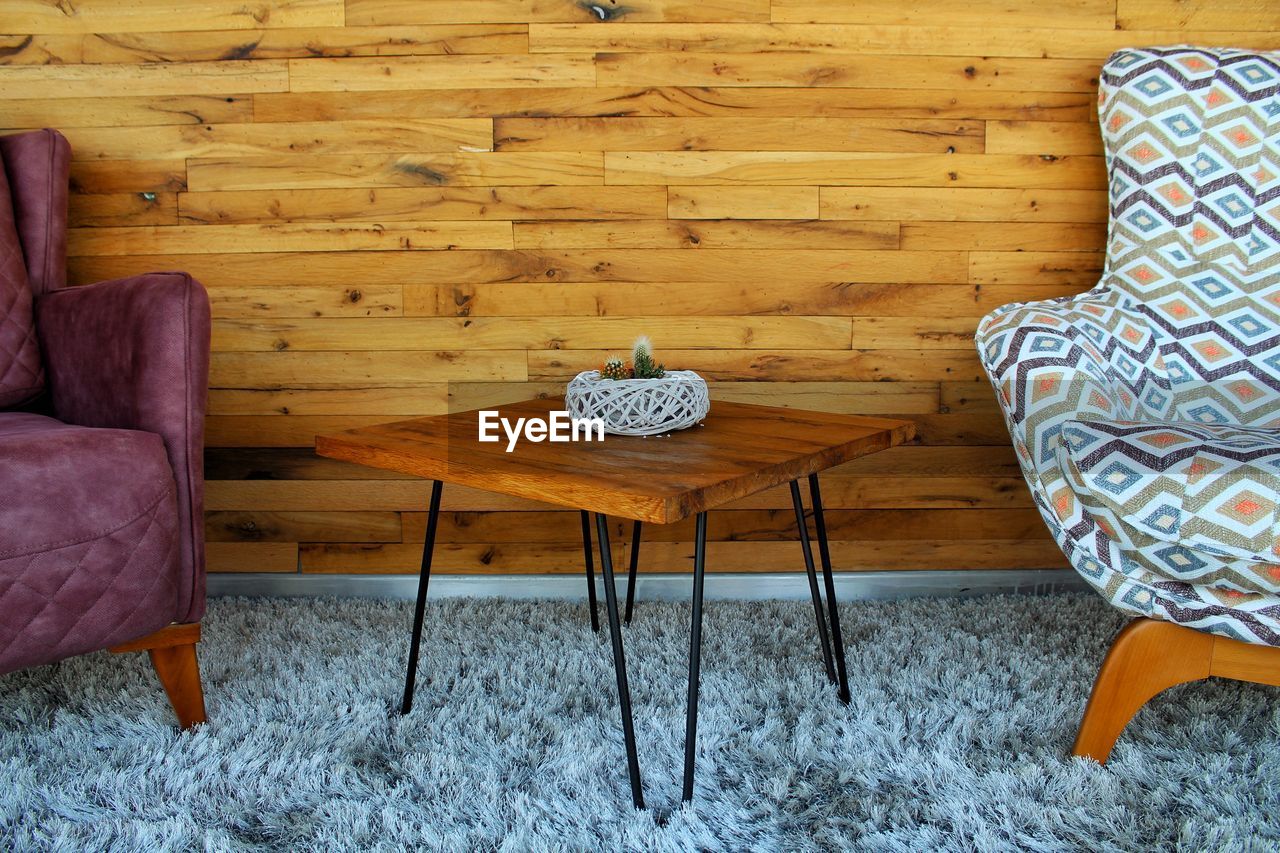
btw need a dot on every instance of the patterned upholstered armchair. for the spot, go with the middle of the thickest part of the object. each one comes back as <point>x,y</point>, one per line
<point>1146,412</point>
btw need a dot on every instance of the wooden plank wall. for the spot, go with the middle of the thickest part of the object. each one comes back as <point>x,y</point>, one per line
<point>402,205</point>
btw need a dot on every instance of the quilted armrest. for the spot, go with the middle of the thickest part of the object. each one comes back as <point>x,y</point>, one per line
<point>134,354</point>
<point>1086,358</point>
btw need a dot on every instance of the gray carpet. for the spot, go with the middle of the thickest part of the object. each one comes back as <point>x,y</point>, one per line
<point>961,717</point>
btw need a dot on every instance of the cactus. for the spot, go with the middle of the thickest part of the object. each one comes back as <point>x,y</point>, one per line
<point>613,368</point>
<point>641,366</point>
<point>644,367</point>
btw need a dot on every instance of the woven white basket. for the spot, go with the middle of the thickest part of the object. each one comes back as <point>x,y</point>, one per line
<point>639,406</point>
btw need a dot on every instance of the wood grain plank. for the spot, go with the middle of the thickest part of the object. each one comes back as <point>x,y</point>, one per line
<point>398,204</point>
<point>850,398</point>
<point>741,202</point>
<point>503,333</point>
<point>958,204</point>
<point>251,556</point>
<point>327,237</point>
<point>106,16</point>
<point>1083,269</point>
<point>361,12</point>
<point>1011,74</point>
<point>552,526</point>
<point>667,557</point>
<point>794,265</point>
<point>114,209</point>
<point>1009,237</point>
<point>912,39</point>
<point>707,299</point>
<point>727,234</point>
<point>961,102</point>
<point>449,558</point>
<point>1180,15</point>
<point>128,176</point>
<point>268,431</point>
<point>861,555</point>
<point>50,82</point>
<point>328,300</point>
<point>754,525</point>
<point>299,42</point>
<point>1006,171</point>
<point>268,138</point>
<point>737,134</point>
<point>967,397</point>
<point>253,526</point>
<point>1090,14</point>
<point>417,401</point>
<point>41,49</point>
<point>317,171</point>
<point>440,72</point>
<point>790,365</point>
<point>1043,137</point>
<point>913,333</point>
<point>69,113</point>
<point>362,369</point>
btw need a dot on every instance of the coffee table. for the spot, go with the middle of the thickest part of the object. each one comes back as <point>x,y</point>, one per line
<point>738,450</point>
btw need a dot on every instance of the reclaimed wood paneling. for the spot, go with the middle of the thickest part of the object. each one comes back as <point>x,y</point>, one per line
<point>403,206</point>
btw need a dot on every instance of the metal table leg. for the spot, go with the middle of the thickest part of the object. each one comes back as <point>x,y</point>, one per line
<point>631,571</point>
<point>803,527</point>
<point>424,577</point>
<point>619,660</point>
<point>591,575</point>
<point>815,496</point>
<point>695,657</point>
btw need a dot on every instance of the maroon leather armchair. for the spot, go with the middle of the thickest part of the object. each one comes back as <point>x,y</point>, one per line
<point>102,401</point>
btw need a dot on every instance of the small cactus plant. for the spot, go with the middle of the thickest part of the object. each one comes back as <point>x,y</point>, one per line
<point>613,368</point>
<point>641,366</point>
<point>644,367</point>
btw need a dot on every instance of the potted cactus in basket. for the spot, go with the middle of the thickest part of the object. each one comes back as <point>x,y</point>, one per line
<point>640,396</point>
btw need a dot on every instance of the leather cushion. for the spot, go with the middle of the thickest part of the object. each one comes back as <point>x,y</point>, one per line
<point>89,545</point>
<point>21,374</point>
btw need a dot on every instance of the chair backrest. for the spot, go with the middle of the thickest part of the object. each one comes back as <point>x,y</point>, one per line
<point>1192,141</point>
<point>37,165</point>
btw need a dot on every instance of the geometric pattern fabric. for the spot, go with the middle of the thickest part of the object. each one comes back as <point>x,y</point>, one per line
<point>1146,412</point>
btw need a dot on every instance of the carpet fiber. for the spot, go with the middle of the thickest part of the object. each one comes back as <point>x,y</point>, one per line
<point>962,714</point>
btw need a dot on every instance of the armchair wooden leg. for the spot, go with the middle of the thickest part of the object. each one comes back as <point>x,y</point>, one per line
<point>1147,657</point>
<point>173,655</point>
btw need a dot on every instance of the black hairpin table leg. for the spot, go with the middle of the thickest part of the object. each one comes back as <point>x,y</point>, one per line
<point>619,660</point>
<point>591,574</point>
<point>695,656</point>
<point>631,570</point>
<point>424,577</point>
<point>803,527</point>
<point>837,639</point>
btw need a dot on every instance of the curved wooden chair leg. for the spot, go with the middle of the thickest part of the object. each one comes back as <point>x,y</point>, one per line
<point>173,656</point>
<point>179,673</point>
<point>1146,657</point>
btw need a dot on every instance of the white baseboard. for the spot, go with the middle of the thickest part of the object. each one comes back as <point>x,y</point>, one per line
<point>850,586</point>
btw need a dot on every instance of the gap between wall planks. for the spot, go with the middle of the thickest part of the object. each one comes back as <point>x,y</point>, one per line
<point>401,206</point>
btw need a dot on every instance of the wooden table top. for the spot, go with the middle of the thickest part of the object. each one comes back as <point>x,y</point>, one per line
<point>739,449</point>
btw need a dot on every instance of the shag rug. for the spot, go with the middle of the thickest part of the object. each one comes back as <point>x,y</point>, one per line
<point>963,712</point>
